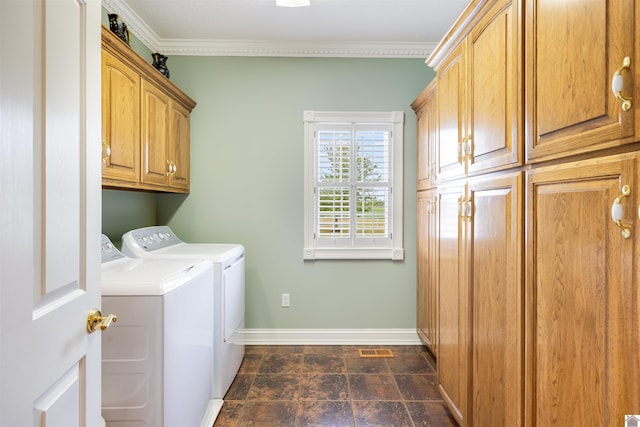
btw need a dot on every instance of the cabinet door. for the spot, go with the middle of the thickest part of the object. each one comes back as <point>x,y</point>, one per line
<point>582,295</point>
<point>453,350</point>
<point>427,117</point>
<point>496,295</point>
<point>494,91</point>
<point>573,50</point>
<point>120,120</point>
<point>155,135</point>
<point>452,128</point>
<point>427,308</point>
<point>179,147</point>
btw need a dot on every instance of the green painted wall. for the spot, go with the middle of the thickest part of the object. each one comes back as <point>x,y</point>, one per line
<point>247,184</point>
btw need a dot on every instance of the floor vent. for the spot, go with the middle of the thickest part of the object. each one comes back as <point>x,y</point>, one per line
<point>375,352</point>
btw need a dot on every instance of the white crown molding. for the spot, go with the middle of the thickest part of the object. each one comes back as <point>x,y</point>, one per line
<point>261,47</point>
<point>269,48</point>
<point>134,23</point>
<point>330,337</point>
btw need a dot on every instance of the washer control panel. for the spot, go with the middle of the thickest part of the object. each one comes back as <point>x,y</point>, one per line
<point>109,251</point>
<point>151,238</point>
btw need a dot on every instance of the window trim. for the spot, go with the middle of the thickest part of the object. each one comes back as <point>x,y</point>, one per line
<point>394,250</point>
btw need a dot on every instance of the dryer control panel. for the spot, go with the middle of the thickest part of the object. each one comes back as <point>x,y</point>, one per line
<point>151,238</point>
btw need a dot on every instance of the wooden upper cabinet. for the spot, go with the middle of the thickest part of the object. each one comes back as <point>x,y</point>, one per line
<point>425,107</point>
<point>146,121</point>
<point>479,90</point>
<point>155,135</point>
<point>179,146</point>
<point>120,118</point>
<point>165,139</point>
<point>493,140</point>
<point>573,51</point>
<point>452,120</point>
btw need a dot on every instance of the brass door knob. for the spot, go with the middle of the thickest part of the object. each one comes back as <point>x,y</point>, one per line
<point>96,321</point>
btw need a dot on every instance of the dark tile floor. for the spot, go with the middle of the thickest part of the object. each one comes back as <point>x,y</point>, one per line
<point>304,386</point>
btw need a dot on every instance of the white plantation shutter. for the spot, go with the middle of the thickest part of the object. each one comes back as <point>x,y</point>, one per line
<point>353,185</point>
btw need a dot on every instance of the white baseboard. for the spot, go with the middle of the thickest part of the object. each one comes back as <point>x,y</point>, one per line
<point>331,336</point>
<point>213,409</point>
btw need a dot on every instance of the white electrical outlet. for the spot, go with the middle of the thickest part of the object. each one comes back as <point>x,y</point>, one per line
<point>285,300</point>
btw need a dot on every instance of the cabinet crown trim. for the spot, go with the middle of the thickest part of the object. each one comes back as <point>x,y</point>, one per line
<point>118,48</point>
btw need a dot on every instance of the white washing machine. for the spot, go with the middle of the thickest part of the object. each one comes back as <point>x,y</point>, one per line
<point>228,292</point>
<point>156,360</point>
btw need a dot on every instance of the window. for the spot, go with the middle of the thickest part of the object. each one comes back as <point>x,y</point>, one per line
<point>353,185</point>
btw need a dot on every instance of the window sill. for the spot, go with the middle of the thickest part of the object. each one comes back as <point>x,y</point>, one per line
<point>396,254</point>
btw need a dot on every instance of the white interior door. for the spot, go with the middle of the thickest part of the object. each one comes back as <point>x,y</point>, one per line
<point>50,212</point>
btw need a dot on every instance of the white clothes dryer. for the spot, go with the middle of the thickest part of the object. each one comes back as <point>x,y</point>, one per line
<point>160,242</point>
<point>156,360</point>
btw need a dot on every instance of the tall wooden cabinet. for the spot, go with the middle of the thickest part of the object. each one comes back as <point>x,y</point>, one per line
<point>427,289</point>
<point>479,267</point>
<point>538,289</point>
<point>145,123</point>
<point>453,301</point>
<point>425,107</point>
<point>496,294</point>
<point>582,350</point>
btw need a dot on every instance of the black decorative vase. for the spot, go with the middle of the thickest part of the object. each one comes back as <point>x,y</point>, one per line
<point>118,27</point>
<point>160,63</point>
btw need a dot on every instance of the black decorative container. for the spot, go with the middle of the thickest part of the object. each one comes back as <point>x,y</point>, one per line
<point>160,63</point>
<point>118,27</point>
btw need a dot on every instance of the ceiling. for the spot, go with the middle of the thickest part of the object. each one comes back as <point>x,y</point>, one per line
<point>339,28</point>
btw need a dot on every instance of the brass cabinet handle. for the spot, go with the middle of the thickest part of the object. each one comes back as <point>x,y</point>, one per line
<point>106,151</point>
<point>463,150</point>
<point>431,206</point>
<point>465,209</point>
<point>617,84</point>
<point>468,209</point>
<point>171,168</point>
<point>616,212</point>
<point>95,321</point>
